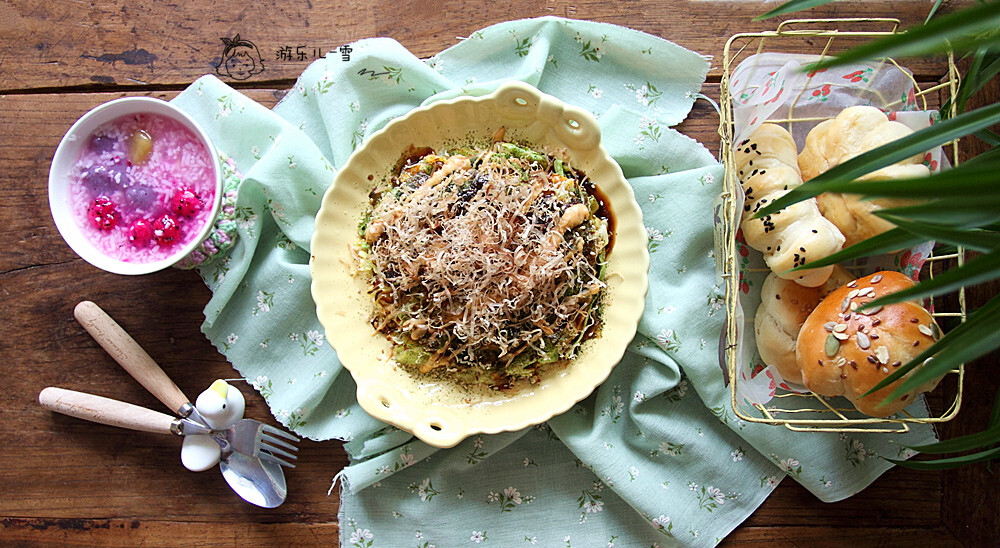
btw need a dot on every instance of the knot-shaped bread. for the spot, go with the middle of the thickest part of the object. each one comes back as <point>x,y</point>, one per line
<point>853,131</point>
<point>784,307</point>
<point>768,168</point>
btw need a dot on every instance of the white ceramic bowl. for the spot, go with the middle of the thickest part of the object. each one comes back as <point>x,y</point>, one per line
<point>67,154</point>
<point>439,412</point>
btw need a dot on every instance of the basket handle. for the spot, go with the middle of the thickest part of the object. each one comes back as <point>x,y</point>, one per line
<point>889,21</point>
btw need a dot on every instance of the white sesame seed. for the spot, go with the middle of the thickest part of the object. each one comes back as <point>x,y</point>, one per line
<point>853,293</point>
<point>853,283</point>
<point>876,278</point>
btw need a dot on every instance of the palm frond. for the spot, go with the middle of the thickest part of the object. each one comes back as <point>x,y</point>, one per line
<point>888,154</point>
<point>984,268</point>
<point>964,443</point>
<point>792,6</point>
<point>962,31</point>
<point>953,462</point>
<point>886,242</point>
<point>950,351</point>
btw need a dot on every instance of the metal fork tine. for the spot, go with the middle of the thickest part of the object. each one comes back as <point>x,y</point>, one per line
<point>276,460</point>
<point>278,432</point>
<point>275,441</point>
<point>276,451</point>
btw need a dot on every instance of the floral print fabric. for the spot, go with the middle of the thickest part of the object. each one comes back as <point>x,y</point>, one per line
<point>655,456</point>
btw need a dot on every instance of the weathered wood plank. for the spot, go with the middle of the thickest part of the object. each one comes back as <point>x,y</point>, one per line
<point>137,532</point>
<point>838,536</point>
<point>111,43</point>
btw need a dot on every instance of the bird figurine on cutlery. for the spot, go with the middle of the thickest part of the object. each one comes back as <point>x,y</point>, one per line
<point>221,405</point>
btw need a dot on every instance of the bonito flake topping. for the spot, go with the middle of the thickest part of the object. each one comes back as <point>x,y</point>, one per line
<point>486,265</point>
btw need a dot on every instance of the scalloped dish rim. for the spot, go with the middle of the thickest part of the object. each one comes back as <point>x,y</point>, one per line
<point>437,412</point>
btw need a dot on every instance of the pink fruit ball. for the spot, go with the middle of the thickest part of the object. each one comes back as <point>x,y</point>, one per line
<point>140,233</point>
<point>185,203</point>
<point>166,230</point>
<point>103,213</point>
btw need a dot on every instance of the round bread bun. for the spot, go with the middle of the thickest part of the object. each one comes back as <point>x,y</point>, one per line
<point>842,352</point>
<point>784,307</point>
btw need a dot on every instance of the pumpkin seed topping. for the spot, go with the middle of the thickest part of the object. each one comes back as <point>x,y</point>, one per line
<point>832,345</point>
<point>882,353</point>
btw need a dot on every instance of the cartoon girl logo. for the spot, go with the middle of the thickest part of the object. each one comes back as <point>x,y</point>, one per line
<point>240,59</point>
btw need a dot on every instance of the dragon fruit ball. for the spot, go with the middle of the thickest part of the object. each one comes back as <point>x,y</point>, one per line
<point>140,233</point>
<point>103,213</point>
<point>166,230</point>
<point>185,203</point>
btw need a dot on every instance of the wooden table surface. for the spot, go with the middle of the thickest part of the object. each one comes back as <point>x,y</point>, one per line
<point>63,480</point>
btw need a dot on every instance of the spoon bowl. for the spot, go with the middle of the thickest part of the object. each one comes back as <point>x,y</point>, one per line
<point>258,482</point>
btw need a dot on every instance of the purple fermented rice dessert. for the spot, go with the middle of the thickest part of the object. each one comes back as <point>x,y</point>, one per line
<point>143,187</point>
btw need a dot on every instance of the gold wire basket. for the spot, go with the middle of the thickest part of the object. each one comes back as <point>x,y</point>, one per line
<point>797,411</point>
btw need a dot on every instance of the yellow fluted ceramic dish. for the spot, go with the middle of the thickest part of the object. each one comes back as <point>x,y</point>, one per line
<point>438,412</point>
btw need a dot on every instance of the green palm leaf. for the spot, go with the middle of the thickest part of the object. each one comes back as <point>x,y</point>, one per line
<point>888,154</point>
<point>886,242</point>
<point>984,268</point>
<point>960,31</point>
<point>978,240</point>
<point>970,180</point>
<point>934,9</point>
<point>987,137</point>
<point>985,65</point>
<point>953,462</point>
<point>964,443</point>
<point>792,6</point>
<point>953,349</point>
<point>955,212</point>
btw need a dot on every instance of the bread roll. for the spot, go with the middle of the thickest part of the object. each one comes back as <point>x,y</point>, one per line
<point>784,307</point>
<point>854,131</point>
<point>845,353</point>
<point>767,166</point>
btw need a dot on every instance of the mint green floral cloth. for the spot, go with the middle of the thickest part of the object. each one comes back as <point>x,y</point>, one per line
<point>655,457</point>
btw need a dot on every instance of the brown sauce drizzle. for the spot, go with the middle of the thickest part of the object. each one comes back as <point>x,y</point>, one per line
<point>604,211</point>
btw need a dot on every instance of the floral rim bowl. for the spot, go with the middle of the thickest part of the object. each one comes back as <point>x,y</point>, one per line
<point>435,411</point>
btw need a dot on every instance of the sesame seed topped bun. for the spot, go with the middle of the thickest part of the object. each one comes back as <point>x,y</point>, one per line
<point>843,352</point>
